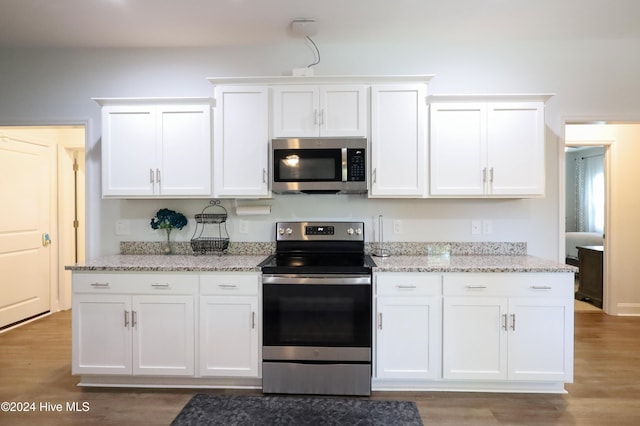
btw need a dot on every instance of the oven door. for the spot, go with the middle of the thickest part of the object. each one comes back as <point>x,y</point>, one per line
<point>317,317</point>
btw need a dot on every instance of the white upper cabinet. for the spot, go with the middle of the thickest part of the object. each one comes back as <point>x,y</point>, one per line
<point>482,148</point>
<point>319,110</point>
<point>156,148</point>
<point>241,141</point>
<point>398,140</point>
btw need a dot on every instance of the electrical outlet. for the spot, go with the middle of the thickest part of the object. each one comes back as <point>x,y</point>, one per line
<point>397,227</point>
<point>123,227</point>
<point>476,226</point>
<point>243,226</point>
<point>487,226</point>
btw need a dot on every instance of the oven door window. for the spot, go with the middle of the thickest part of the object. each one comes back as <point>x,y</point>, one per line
<point>317,315</point>
<point>307,165</point>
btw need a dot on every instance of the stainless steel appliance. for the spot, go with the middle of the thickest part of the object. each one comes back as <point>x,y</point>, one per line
<point>319,165</point>
<point>317,302</point>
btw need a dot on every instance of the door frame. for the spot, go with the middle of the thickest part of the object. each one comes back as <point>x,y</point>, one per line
<point>60,287</point>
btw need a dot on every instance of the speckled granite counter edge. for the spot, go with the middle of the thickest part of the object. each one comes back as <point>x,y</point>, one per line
<point>393,248</point>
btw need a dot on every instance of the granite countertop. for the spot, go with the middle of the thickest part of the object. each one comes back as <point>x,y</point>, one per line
<point>171,263</point>
<point>395,263</point>
<point>471,263</point>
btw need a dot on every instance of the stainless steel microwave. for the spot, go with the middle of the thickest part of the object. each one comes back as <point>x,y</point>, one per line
<point>319,165</point>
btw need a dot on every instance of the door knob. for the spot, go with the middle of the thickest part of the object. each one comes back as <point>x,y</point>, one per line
<point>46,240</point>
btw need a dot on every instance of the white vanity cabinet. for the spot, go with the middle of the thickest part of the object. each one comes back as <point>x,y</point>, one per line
<point>338,110</point>
<point>398,140</point>
<point>241,141</point>
<point>230,325</point>
<point>156,148</point>
<point>493,147</point>
<point>133,324</point>
<point>503,326</point>
<point>407,326</point>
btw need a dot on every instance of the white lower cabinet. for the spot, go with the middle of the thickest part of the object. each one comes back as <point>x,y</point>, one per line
<point>133,324</point>
<point>408,326</point>
<point>230,325</point>
<point>500,326</point>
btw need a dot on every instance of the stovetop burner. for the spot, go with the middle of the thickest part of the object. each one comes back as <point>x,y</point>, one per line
<point>319,247</point>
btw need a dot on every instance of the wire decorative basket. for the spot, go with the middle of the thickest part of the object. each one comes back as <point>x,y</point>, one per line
<point>211,233</point>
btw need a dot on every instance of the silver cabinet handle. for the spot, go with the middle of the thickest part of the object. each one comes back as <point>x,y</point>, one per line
<point>406,287</point>
<point>380,320</point>
<point>133,318</point>
<point>126,319</point>
<point>227,286</point>
<point>475,286</point>
<point>160,286</point>
<point>322,117</point>
<point>152,177</point>
<point>158,175</point>
<point>513,322</point>
<point>375,170</point>
<point>484,175</point>
<point>491,175</point>
<point>253,320</point>
<point>100,285</point>
<point>264,175</point>
<point>504,322</point>
<point>541,287</point>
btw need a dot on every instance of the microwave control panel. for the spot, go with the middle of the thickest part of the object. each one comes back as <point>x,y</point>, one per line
<point>356,162</point>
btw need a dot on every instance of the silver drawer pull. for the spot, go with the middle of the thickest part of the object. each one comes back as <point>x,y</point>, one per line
<point>475,286</point>
<point>100,285</point>
<point>160,286</point>
<point>227,286</point>
<point>406,287</point>
<point>541,287</point>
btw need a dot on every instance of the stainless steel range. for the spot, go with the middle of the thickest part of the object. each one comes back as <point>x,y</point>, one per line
<point>317,320</point>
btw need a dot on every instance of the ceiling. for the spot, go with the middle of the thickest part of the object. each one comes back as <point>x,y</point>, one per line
<point>204,23</point>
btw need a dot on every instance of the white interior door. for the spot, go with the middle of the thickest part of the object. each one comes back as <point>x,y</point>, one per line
<point>25,191</point>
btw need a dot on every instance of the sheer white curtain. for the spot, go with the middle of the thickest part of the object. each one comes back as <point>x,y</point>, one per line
<point>590,193</point>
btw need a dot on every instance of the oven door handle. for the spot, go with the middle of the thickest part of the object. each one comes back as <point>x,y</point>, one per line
<point>340,279</point>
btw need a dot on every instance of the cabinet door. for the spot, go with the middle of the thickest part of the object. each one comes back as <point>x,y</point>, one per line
<point>101,334</point>
<point>343,111</point>
<point>541,339</point>
<point>241,141</point>
<point>474,338</point>
<point>515,148</point>
<point>184,164</point>
<point>407,337</point>
<point>296,111</point>
<point>458,148</point>
<point>128,150</point>
<point>163,335</point>
<point>229,337</point>
<point>398,142</point>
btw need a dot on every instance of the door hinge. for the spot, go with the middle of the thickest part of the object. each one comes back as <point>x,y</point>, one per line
<point>76,224</point>
<point>75,165</point>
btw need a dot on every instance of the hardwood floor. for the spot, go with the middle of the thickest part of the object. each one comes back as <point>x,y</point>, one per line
<point>35,367</point>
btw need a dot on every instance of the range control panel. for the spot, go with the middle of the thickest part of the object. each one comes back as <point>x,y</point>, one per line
<point>319,231</point>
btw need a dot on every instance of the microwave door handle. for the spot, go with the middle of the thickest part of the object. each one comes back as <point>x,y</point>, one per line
<point>344,164</point>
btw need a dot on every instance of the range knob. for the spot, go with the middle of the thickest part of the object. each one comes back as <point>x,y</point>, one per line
<point>289,231</point>
<point>350,231</point>
<point>358,231</point>
<point>281,231</point>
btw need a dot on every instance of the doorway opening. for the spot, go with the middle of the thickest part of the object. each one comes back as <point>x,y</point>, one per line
<point>48,199</point>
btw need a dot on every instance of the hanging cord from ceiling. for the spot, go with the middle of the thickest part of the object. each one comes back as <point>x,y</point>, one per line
<point>316,53</point>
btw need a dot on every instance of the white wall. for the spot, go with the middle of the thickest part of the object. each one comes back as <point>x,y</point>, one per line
<point>591,78</point>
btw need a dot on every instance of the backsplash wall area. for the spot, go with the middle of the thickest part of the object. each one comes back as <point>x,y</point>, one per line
<point>432,220</point>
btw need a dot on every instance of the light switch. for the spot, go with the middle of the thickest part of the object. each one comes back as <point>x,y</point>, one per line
<point>123,227</point>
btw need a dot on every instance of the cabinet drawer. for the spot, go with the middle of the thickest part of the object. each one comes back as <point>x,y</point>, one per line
<point>230,284</point>
<point>509,284</point>
<point>408,284</point>
<point>135,283</point>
